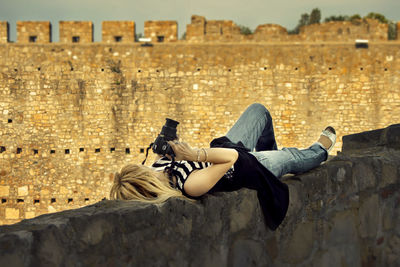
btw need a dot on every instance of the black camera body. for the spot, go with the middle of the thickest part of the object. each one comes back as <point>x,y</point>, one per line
<point>168,133</point>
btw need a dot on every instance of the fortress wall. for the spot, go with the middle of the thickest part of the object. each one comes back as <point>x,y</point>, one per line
<point>4,32</point>
<point>161,31</point>
<point>76,32</point>
<point>118,31</point>
<point>33,32</point>
<point>72,115</point>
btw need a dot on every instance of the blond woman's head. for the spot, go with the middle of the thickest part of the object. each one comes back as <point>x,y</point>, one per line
<point>138,182</point>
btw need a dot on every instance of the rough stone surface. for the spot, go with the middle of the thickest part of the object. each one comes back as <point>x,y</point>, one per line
<point>4,32</point>
<point>329,223</point>
<point>33,32</point>
<point>71,115</point>
<point>76,31</point>
<point>118,31</point>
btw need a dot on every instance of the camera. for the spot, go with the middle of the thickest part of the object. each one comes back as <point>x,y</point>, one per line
<point>168,133</point>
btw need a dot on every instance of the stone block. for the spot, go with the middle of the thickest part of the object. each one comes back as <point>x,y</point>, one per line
<point>300,245</point>
<point>4,190</point>
<point>12,214</point>
<point>369,214</point>
<point>23,191</point>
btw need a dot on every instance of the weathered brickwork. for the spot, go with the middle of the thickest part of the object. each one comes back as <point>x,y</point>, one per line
<point>33,32</point>
<point>270,32</point>
<point>201,30</point>
<point>398,31</point>
<point>369,29</point>
<point>4,32</point>
<point>71,115</point>
<point>118,31</point>
<point>161,31</point>
<point>76,31</point>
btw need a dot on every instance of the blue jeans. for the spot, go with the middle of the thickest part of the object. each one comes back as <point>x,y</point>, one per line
<point>255,130</point>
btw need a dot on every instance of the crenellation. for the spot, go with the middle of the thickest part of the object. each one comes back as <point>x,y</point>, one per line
<point>118,31</point>
<point>161,31</point>
<point>76,31</point>
<point>33,32</point>
<point>4,32</point>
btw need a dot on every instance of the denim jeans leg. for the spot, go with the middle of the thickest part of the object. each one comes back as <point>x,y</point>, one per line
<point>254,129</point>
<point>292,160</point>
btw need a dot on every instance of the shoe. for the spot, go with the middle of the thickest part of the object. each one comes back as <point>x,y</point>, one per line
<point>331,134</point>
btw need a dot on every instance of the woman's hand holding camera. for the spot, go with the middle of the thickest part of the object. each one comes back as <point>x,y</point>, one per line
<point>182,151</point>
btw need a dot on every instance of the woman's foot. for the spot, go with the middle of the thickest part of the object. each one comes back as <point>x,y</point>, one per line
<point>328,138</point>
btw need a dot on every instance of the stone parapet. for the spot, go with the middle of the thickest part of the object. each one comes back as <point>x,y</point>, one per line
<point>4,32</point>
<point>343,213</point>
<point>33,32</point>
<point>161,31</point>
<point>76,31</point>
<point>118,31</point>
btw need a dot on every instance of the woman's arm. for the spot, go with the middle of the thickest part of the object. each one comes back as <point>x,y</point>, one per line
<point>201,181</point>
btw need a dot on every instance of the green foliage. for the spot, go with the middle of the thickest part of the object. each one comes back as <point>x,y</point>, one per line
<point>377,16</point>
<point>183,36</point>
<point>245,30</point>
<point>315,16</point>
<point>337,18</point>
<point>392,33</point>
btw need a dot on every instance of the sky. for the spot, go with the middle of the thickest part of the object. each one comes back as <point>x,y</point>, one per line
<point>250,13</point>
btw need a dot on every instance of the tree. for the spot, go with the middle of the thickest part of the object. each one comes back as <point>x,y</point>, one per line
<point>183,36</point>
<point>377,16</point>
<point>315,16</point>
<point>245,30</point>
<point>392,31</point>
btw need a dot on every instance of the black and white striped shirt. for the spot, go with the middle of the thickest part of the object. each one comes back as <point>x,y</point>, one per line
<point>182,169</point>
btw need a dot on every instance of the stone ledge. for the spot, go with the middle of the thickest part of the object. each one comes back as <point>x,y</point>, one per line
<point>346,211</point>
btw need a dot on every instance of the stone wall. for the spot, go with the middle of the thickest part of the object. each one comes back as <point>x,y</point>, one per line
<point>161,31</point>
<point>270,32</point>
<point>33,32</point>
<point>201,30</point>
<point>346,212</point>
<point>118,31</point>
<point>71,115</point>
<point>369,29</point>
<point>76,31</point>
<point>4,32</point>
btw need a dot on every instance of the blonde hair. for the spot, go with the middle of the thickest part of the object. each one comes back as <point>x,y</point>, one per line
<point>138,182</point>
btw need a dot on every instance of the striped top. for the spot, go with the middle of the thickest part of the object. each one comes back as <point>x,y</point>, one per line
<point>182,169</point>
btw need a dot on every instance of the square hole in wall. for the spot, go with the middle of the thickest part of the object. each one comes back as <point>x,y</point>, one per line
<point>35,151</point>
<point>142,150</point>
<point>127,150</point>
<point>3,200</point>
<point>2,149</point>
<point>52,151</point>
<point>36,201</point>
<point>112,149</point>
<point>70,200</point>
<point>97,150</point>
<point>81,149</point>
<point>53,200</point>
<point>160,38</point>
<point>32,39</point>
<point>20,200</point>
<point>19,150</point>
<point>66,151</point>
<point>86,199</point>
<point>75,39</point>
<point>9,120</point>
<point>118,39</point>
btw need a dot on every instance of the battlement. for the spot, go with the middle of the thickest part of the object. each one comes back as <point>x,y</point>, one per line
<point>161,31</point>
<point>33,32</point>
<point>198,31</point>
<point>76,32</point>
<point>118,31</point>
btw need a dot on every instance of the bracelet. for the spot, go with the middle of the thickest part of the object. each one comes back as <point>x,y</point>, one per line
<point>205,153</point>
<point>198,155</point>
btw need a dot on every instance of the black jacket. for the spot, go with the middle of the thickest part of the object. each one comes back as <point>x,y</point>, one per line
<point>250,173</point>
